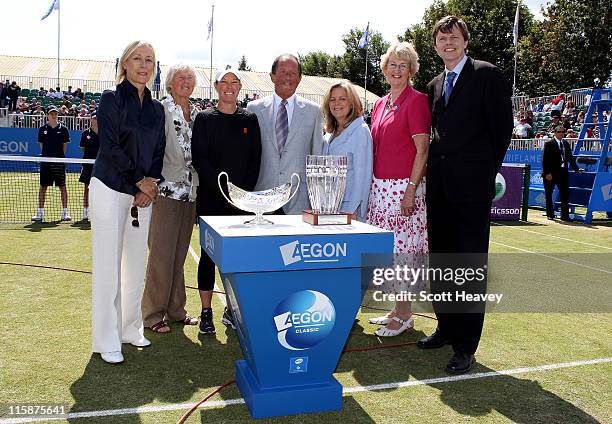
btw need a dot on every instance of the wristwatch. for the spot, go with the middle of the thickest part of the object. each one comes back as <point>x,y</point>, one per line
<point>413,183</point>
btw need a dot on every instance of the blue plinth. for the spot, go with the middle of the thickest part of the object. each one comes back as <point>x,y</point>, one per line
<point>294,291</point>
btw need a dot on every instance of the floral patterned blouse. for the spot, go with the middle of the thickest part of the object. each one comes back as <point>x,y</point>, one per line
<point>183,189</point>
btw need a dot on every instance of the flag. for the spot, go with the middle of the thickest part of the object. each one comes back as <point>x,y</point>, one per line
<point>54,6</point>
<point>210,27</point>
<point>363,41</point>
<point>157,81</point>
<point>516,23</point>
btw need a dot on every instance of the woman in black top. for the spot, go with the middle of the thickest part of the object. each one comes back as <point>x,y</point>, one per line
<point>123,186</point>
<point>225,138</point>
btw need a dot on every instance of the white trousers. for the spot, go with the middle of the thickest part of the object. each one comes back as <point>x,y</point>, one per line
<point>118,266</point>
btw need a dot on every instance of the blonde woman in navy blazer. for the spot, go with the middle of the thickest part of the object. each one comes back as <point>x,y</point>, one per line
<point>348,135</point>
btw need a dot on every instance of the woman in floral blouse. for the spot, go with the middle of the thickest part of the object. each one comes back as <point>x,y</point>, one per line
<point>173,214</point>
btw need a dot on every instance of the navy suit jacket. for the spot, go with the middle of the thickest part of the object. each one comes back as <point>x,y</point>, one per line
<point>470,135</point>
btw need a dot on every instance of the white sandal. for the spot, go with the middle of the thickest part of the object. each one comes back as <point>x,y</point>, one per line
<point>383,320</point>
<point>405,325</point>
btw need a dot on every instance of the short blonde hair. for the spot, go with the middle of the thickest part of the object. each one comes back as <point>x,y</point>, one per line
<point>178,68</point>
<point>331,124</point>
<point>403,51</point>
<point>121,71</point>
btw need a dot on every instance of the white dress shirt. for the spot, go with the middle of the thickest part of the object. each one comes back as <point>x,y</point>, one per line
<point>290,106</point>
<point>457,69</point>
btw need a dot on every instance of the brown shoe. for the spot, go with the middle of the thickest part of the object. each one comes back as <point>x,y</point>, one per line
<point>160,327</point>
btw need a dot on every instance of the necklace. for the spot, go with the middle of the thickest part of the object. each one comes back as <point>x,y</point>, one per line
<point>389,105</point>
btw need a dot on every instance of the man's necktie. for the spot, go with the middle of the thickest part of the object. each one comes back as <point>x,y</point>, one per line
<point>282,126</point>
<point>448,89</point>
<point>562,149</point>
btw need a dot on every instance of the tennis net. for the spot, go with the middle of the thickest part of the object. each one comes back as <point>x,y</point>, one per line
<point>20,178</point>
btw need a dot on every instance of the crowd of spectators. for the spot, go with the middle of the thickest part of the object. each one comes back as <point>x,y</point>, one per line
<point>29,107</point>
<point>537,118</point>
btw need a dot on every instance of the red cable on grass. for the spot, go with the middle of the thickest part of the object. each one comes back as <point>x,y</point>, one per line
<point>46,267</point>
<point>204,399</point>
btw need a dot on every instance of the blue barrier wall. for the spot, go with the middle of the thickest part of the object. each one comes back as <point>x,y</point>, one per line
<point>24,142</point>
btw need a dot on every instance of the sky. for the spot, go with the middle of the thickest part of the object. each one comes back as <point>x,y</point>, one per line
<point>260,30</point>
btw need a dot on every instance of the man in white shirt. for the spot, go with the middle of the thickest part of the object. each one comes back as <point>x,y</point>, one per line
<point>522,129</point>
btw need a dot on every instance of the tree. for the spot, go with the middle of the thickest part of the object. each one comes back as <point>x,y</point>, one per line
<point>354,60</point>
<point>351,64</point>
<point>242,64</point>
<point>490,23</point>
<point>569,49</point>
<point>315,63</point>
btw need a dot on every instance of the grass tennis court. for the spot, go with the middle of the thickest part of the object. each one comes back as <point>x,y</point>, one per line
<point>45,352</point>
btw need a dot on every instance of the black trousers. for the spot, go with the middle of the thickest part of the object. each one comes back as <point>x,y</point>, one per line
<point>12,105</point>
<point>561,180</point>
<point>456,229</point>
<point>206,272</point>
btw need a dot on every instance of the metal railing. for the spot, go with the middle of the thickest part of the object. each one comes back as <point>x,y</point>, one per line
<point>589,145</point>
<point>77,123</point>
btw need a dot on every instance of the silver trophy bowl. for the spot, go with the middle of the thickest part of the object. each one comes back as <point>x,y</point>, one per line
<point>259,202</point>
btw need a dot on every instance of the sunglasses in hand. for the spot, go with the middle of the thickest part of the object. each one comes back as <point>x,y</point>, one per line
<point>134,214</point>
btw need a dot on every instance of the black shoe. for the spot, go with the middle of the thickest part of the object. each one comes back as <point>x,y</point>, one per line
<point>206,322</point>
<point>228,319</point>
<point>460,363</point>
<point>435,341</point>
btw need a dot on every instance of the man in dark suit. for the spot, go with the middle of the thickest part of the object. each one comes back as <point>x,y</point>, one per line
<point>556,156</point>
<point>471,126</point>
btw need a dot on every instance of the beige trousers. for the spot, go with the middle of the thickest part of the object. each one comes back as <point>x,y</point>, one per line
<point>164,295</point>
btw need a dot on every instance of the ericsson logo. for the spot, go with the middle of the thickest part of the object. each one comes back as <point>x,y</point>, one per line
<point>303,319</point>
<point>312,252</point>
<point>500,187</point>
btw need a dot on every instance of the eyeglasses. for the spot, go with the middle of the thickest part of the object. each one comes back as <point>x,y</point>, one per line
<point>134,214</point>
<point>394,66</point>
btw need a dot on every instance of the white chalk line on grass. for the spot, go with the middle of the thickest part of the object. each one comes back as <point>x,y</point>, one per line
<point>196,258</point>
<point>346,391</point>
<point>552,257</point>
<point>550,235</point>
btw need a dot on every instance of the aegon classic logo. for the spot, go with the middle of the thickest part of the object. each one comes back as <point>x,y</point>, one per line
<point>303,319</point>
<point>312,252</point>
<point>209,241</point>
<point>606,192</point>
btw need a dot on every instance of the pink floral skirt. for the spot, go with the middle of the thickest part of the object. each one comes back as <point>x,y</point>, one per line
<point>410,232</point>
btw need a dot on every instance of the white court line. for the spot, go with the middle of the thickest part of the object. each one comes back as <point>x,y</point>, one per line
<point>348,390</point>
<point>552,257</point>
<point>196,258</point>
<point>550,235</point>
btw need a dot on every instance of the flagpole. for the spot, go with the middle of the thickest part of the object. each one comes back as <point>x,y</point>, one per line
<point>212,33</point>
<point>514,82</point>
<point>59,10</point>
<point>365,82</point>
<point>515,39</point>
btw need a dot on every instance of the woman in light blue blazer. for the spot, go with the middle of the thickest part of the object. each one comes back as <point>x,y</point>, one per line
<point>347,134</point>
